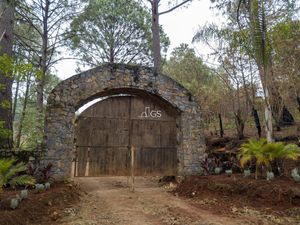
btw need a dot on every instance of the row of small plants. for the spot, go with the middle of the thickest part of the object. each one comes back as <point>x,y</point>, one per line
<point>256,155</point>
<point>14,202</point>
<point>15,175</point>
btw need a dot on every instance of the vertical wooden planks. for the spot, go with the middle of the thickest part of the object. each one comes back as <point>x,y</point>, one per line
<point>111,127</point>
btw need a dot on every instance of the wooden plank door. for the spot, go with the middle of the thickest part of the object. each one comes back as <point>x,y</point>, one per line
<point>154,135</point>
<point>107,130</point>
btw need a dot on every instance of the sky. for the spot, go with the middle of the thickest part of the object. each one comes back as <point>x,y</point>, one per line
<point>180,25</point>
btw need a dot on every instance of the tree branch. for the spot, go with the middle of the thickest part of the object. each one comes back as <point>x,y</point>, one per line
<point>175,7</point>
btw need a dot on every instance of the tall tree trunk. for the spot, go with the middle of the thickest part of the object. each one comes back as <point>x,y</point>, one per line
<point>15,99</point>
<point>23,114</point>
<point>111,55</point>
<point>6,81</point>
<point>221,125</point>
<point>251,102</point>
<point>43,69</point>
<point>280,112</point>
<point>268,117</point>
<point>240,124</point>
<point>286,118</point>
<point>155,36</point>
<point>256,121</point>
<point>262,57</point>
<point>155,29</point>
<point>276,102</point>
<point>264,75</point>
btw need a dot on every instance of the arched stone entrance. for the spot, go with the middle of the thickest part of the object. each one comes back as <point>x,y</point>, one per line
<point>112,79</point>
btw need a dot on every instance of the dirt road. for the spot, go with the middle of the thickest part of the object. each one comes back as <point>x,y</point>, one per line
<point>110,201</point>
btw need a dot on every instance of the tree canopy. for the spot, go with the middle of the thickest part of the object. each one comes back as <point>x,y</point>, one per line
<point>116,31</point>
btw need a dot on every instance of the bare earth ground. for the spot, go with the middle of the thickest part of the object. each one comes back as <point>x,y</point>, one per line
<point>108,200</point>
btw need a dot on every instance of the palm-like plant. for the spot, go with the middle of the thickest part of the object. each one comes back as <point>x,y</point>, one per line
<point>9,170</point>
<point>264,153</point>
<point>251,150</point>
<point>279,151</point>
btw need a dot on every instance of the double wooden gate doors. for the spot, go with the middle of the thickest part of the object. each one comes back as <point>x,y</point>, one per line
<point>107,132</point>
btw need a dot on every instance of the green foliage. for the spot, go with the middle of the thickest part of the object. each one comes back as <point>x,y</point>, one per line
<point>31,137</point>
<point>10,67</point>
<point>253,149</point>
<point>190,71</point>
<point>6,65</point>
<point>5,104</point>
<point>264,153</point>
<point>4,133</point>
<point>9,173</point>
<point>114,31</point>
<point>280,151</point>
<point>257,37</point>
<point>187,68</point>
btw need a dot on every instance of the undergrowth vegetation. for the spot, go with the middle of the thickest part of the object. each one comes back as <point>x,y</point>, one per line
<point>13,174</point>
<point>265,154</point>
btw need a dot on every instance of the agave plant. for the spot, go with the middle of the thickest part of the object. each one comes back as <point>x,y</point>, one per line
<point>9,174</point>
<point>295,175</point>
<point>270,176</point>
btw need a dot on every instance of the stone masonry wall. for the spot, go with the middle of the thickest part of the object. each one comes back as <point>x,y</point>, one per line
<point>109,79</point>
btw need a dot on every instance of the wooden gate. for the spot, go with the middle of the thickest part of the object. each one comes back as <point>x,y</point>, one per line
<point>106,131</point>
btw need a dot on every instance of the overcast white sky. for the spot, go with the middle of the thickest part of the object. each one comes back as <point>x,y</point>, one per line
<point>180,25</point>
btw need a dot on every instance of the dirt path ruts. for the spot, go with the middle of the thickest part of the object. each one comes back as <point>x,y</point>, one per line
<point>109,201</point>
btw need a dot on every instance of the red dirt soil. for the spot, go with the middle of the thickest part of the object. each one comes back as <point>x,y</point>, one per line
<point>40,208</point>
<point>276,195</point>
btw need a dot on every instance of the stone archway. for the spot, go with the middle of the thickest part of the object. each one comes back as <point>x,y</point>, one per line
<point>110,79</point>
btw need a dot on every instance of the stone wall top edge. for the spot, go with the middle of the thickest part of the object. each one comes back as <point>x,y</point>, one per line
<point>116,68</point>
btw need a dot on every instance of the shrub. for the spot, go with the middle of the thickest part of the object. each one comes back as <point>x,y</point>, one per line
<point>264,153</point>
<point>10,174</point>
<point>206,165</point>
<point>253,150</point>
<point>42,173</point>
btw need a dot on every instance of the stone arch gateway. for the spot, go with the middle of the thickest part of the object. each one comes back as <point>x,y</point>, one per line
<point>116,79</point>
